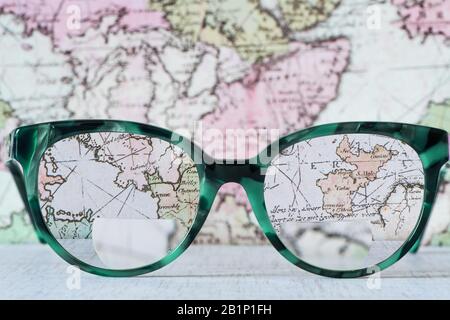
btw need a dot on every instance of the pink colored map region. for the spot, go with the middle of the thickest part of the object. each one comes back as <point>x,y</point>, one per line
<point>426,17</point>
<point>65,18</point>
<point>287,94</point>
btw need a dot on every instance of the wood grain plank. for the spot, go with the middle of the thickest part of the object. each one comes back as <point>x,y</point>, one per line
<point>222,272</point>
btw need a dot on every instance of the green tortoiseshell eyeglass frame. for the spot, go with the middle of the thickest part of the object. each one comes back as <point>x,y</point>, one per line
<point>26,146</point>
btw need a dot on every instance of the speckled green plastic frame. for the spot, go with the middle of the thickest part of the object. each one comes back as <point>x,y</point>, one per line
<point>27,145</point>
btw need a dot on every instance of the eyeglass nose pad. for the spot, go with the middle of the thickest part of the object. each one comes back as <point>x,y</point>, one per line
<point>255,193</point>
<point>208,191</point>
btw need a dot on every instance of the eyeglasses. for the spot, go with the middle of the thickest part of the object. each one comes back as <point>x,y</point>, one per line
<point>119,198</point>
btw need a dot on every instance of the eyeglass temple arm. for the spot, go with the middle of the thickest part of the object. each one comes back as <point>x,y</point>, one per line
<point>16,170</point>
<point>444,172</point>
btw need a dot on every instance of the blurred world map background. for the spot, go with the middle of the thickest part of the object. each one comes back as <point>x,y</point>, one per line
<point>284,65</point>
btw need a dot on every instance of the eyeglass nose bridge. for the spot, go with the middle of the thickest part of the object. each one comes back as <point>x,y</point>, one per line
<point>250,176</point>
<point>233,171</point>
<point>218,173</point>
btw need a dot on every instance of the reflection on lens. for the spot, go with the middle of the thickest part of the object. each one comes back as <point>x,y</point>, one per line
<point>345,202</point>
<point>117,200</point>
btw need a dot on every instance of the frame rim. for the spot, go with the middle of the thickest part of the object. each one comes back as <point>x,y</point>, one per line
<point>423,140</point>
<point>75,127</point>
<point>387,129</point>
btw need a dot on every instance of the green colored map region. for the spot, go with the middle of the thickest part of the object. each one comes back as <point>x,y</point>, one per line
<point>18,230</point>
<point>301,15</point>
<point>5,112</point>
<point>185,16</point>
<point>442,239</point>
<point>242,25</point>
<point>69,229</point>
<point>438,116</point>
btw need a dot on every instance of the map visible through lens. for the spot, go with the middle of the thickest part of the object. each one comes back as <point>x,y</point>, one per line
<point>345,201</point>
<point>118,200</point>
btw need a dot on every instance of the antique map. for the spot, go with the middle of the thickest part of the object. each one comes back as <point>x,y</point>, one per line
<point>233,64</point>
<point>115,176</point>
<point>375,181</point>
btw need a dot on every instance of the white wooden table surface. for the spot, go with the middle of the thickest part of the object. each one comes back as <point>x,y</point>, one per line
<point>220,272</point>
